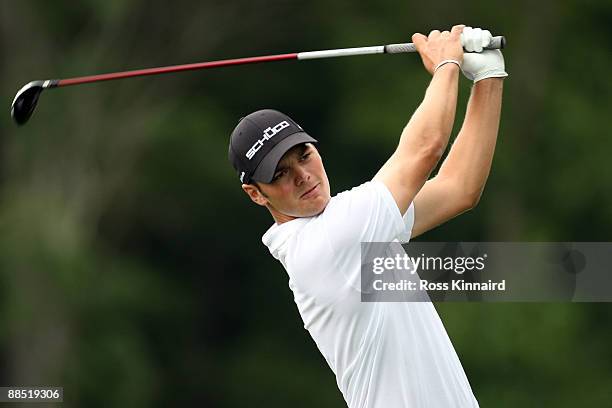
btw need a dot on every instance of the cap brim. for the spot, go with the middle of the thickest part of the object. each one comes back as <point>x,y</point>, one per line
<point>267,167</point>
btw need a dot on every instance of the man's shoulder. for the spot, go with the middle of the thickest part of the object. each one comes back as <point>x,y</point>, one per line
<point>364,187</point>
<point>343,219</point>
<point>364,193</point>
<point>361,191</point>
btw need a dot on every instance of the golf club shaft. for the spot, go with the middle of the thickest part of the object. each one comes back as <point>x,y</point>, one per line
<point>496,43</point>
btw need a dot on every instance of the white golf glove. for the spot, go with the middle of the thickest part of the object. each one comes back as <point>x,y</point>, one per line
<point>475,39</point>
<point>478,64</point>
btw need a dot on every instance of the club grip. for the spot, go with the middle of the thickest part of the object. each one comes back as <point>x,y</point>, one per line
<point>497,43</point>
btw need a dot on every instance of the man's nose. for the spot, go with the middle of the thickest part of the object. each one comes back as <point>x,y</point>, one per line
<point>301,175</point>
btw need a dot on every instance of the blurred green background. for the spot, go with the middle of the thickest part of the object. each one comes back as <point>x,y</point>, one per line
<point>132,271</point>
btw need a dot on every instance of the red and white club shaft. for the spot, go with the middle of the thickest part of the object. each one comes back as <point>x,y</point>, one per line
<point>496,43</point>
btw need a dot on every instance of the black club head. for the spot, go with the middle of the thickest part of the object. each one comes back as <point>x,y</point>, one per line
<point>25,101</point>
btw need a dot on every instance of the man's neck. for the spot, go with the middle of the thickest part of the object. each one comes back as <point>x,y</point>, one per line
<point>279,217</point>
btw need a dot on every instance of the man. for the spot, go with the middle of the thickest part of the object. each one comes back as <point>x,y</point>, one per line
<point>384,355</point>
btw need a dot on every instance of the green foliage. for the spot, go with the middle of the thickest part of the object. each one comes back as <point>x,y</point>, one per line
<point>131,267</point>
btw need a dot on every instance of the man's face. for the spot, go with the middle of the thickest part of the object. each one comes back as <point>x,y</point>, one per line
<point>300,187</point>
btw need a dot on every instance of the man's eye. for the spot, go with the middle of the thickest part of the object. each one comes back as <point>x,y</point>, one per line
<point>305,156</point>
<point>279,175</point>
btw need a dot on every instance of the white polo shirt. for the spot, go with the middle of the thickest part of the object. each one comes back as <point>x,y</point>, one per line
<point>384,354</point>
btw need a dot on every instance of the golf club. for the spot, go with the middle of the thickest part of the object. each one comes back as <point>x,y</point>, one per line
<point>27,97</point>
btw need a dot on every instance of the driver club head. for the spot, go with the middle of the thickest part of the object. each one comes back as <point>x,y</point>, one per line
<point>25,101</point>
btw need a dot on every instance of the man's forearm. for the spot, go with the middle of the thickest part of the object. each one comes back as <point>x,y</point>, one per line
<point>432,122</point>
<point>469,160</point>
<point>423,140</point>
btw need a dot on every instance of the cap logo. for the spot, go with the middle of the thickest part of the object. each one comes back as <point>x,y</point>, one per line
<point>267,135</point>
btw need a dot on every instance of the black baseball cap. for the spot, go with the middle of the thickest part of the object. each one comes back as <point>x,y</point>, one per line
<point>260,140</point>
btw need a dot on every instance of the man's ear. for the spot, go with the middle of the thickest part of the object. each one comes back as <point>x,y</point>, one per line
<point>255,194</point>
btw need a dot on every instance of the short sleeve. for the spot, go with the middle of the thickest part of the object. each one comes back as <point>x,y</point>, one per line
<point>367,213</point>
<point>408,218</point>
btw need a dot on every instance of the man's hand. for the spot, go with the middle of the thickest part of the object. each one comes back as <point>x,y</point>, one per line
<point>475,39</point>
<point>439,46</point>
<point>479,64</point>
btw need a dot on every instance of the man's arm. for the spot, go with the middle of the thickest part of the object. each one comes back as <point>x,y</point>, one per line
<point>459,184</point>
<point>426,135</point>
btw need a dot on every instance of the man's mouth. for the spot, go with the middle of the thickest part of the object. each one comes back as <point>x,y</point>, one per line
<point>310,192</point>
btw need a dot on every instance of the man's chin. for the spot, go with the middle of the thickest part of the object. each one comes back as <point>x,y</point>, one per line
<point>316,210</point>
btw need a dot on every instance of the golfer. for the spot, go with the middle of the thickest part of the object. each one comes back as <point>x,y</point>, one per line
<point>384,354</point>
